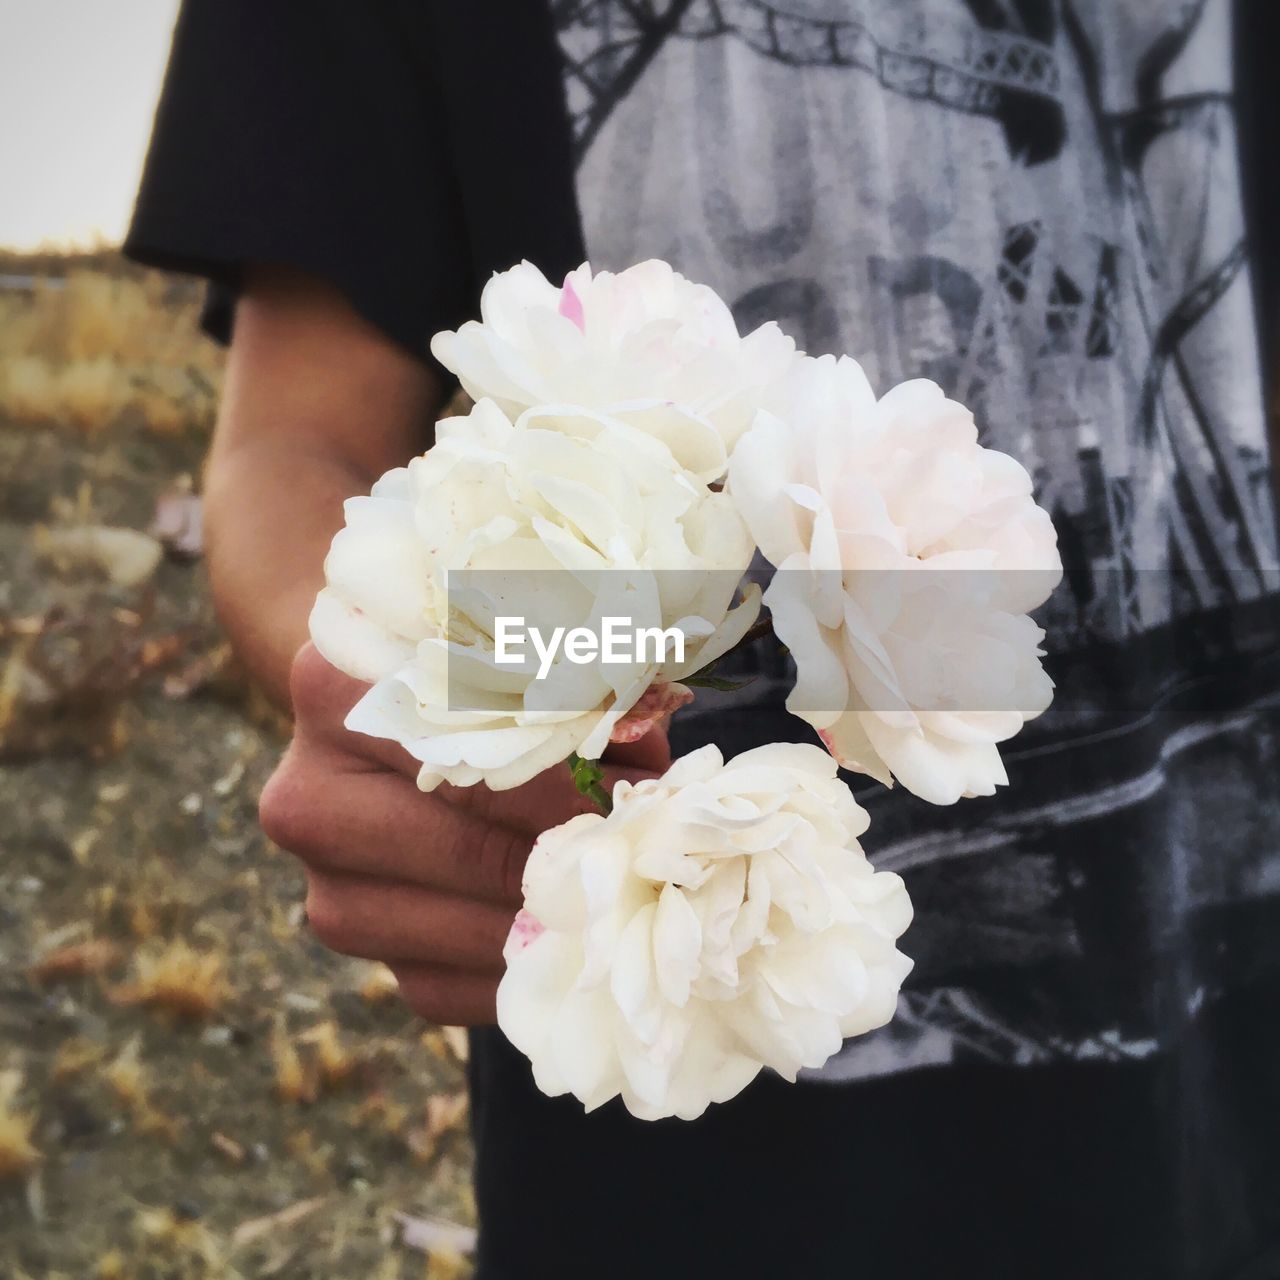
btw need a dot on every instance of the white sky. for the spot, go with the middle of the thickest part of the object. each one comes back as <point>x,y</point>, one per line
<point>78,87</point>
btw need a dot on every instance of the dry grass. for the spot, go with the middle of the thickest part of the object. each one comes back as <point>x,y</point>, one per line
<point>177,979</point>
<point>78,960</point>
<point>295,1081</point>
<point>18,1154</point>
<point>379,985</point>
<point>334,1064</point>
<point>145,898</point>
<point>168,1243</point>
<point>312,1063</point>
<point>91,346</point>
<point>74,1057</point>
<point>443,1265</point>
<point>131,756</point>
<point>446,1118</point>
<point>129,1081</point>
<point>111,1266</point>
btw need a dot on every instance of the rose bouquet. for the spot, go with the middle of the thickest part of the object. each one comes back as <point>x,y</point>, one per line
<point>627,455</point>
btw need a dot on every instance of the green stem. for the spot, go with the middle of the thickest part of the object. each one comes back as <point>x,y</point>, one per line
<point>588,777</point>
<point>601,797</point>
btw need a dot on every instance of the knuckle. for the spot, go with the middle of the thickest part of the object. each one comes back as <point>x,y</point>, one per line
<point>422,993</point>
<point>440,997</point>
<point>285,807</point>
<point>327,919</point>
<point>310,683</point>
<point>461,799</point>
<point>502,856</point>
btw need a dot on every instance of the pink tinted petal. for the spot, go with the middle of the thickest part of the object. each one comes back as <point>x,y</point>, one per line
<point>571,305</point>
<point>657,701</point>
<point>525,928</point>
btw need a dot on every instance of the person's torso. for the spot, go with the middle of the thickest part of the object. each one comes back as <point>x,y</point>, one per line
<point>1037,204</point>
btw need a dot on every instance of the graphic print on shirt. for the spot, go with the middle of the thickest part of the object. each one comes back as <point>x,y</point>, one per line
<point>1035,203</point>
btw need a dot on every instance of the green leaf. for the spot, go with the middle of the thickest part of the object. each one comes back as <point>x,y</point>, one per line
<point>708,681</point>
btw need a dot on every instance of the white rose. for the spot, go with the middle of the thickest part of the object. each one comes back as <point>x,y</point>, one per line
<point>722,918</point>
<point>625,342</point>
<point>569,516</point>
<point>909,556</point>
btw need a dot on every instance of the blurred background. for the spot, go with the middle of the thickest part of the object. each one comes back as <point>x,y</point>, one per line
<point>189,1084</point>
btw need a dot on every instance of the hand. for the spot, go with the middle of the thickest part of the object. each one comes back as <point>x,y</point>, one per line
<point>427,882</point>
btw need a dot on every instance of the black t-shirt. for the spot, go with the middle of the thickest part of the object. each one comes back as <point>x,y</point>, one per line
<point>1038,204</point>
<point>372,145</point>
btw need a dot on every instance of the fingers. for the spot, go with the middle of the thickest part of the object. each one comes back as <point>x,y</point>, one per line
<point>470,841</point>
<point>427,883</point>
<point>550,799</point>
<point>322,696</point>
<point>398,923</point>
<point>318,691</point>
<point>448,996</point>
<point>651,753</point>
<point>378,824</point>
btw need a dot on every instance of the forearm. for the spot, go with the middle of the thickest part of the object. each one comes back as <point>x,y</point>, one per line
<point>317,406</point>
<point>270,515</point>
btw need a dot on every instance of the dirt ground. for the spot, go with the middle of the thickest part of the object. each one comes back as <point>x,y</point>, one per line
<point>189,1084</point>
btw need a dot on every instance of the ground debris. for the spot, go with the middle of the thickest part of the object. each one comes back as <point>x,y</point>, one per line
<point>378,984</point>
<point>64,684</point>
<point>169,1242</point>
<point>334,1063</point>
<point>18,1154</point>
<point>216,673</point>
<point>446,1115</point>
<point>446,1265</point>
<point>322,1065</point>
<point>125,556</point>
<point>447,1043</point>
<point>106,846</point>
<point>74,1057</point>
<point>256,1228</point>
<point>436,1235</point>
<point>130,1082</point>
<point>228,1147</point>
<point>178,523</point>
<point>177,979</point>
<point>294,1080</point>
<point>77,960</point>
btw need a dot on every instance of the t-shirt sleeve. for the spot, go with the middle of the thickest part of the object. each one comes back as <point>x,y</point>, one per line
<point>308,133</point>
